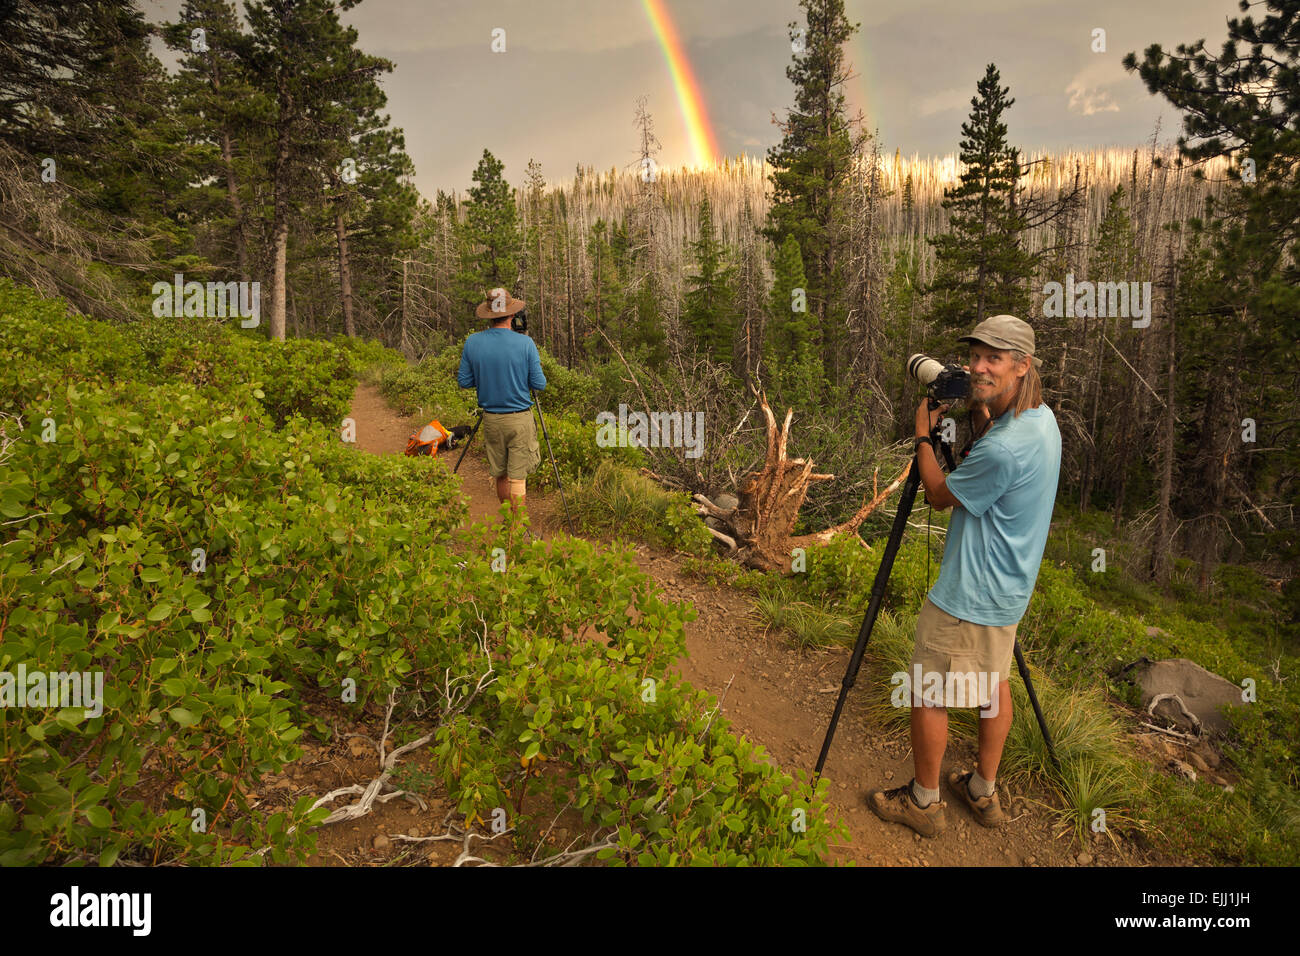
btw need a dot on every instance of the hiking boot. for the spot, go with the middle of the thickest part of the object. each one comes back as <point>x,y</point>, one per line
<point>900,806</point>
<point>987,810</point>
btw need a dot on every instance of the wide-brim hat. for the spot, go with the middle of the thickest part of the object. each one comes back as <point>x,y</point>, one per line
<point>500,304</point>
<point>1005,332</point>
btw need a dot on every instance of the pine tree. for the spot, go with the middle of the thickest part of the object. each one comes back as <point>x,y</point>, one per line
<point>303,62</point>
<point>493,243</point>
<point>751,299</point>
<point>646,336</point>
<point>539,219</point>
<point>55,64</point>
<point>710,298</point>
<point>606,300</point>
<point>213,92</point>
<point>1240,294</point>
<point>811,165</point>
<point>793,369</point>
<point>982,267</point>
<point>361,165</point>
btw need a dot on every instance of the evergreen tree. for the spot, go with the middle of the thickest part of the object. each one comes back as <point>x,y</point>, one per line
<point>645,335</point>
<point>982,267</point>
<point>1240,291</point>
<point>493,243</point>
<point>793,369</point>
<point>539,222</point>
<point>606,299</point>
<point>304,64</point>
<point>811,166</point>
<point>213,97</point>
<point>56,63</point>
<point>711,297</point>
<point>364,172</point>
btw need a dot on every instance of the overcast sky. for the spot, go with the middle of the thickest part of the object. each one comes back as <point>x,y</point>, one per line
<point>565,89</point>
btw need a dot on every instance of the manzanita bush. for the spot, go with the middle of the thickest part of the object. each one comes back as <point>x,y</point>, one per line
<point>221,572</point>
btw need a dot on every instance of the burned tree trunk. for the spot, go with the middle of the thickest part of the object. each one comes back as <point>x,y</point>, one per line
<point>761,526</point>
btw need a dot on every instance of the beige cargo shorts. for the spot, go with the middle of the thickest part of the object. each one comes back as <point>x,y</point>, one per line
<point>958,663</point>
<point>511,444</point>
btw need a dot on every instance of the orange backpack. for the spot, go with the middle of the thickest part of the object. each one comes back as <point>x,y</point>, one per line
<point>428,440</point>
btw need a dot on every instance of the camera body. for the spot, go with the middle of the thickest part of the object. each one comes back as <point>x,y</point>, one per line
<point>943,383</point>
<point>519,321</point>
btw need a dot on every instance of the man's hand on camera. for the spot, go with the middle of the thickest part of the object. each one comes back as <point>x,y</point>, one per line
<point>927,418</point>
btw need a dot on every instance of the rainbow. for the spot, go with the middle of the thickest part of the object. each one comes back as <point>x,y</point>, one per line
<point>704,144</point>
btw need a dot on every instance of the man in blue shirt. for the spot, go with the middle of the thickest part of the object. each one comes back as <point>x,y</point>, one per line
<point>1002,495</point>
<point>502,365</point>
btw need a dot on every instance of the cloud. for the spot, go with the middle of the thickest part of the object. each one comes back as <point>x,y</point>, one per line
<point>957,97</point>
<point>1088,90</point>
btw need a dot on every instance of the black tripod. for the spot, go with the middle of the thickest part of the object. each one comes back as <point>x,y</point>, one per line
<point>878,594</point>
<point>478,412</point>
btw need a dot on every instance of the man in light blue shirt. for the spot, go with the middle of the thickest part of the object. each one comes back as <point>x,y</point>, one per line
<point>1002,495</point>
<point>503,365</point>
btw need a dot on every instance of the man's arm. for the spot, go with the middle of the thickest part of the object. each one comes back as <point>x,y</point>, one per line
<point>932,477</point>
<point>536,380</point>
<point>465,376</point>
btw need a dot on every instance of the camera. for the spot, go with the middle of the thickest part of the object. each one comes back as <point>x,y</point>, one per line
<point>944,383</point>
<point>519,321</point>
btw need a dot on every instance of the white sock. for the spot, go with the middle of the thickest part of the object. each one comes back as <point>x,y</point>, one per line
<point>923,796</point>
<point>979,787</point>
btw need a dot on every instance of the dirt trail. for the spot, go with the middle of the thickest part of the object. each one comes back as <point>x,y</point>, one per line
<point>782,697</point>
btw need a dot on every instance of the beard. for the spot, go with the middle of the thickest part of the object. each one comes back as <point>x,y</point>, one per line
<point>987,396</point>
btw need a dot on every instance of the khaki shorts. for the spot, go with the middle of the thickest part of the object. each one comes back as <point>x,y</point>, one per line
<point>970,659</point>
<point>511,443</point>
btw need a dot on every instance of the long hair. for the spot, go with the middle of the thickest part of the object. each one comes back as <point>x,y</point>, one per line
<point>1030,394</point>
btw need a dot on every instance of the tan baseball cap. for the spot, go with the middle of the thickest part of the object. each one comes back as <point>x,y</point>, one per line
<point>1005,332</point>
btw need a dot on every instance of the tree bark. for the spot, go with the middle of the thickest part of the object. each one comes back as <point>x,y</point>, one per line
<point>280,229</point>
<point>232,189</point>
<point>345,274</point>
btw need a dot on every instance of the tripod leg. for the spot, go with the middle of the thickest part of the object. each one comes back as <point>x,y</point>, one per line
<point>873,605</point>
<point>1033,700</point>
<point>469,441</point>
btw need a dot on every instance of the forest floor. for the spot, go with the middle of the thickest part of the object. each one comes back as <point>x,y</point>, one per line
<point>773,693</point>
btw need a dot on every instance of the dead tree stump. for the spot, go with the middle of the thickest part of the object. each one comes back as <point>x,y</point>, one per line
<point>762,524</point>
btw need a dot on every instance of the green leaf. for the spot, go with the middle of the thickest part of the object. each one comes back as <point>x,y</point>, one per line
<point>160,611</point>
<point>183,717</point>
<point>99,817</point>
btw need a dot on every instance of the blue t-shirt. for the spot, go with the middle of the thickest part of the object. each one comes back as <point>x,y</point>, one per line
<point>1006,487</point>
<point>502,365</point>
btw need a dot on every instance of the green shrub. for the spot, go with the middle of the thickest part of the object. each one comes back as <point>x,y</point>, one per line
<point>577,456</point>
<point>616,499</point>
<point>317,567</point>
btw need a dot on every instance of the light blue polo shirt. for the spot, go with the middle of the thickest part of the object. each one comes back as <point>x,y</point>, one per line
<point>1006,487</point>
